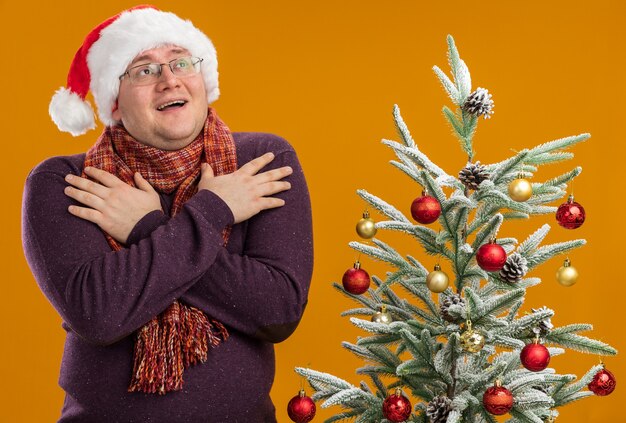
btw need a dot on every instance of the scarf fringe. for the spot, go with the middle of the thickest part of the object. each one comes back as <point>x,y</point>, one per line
<point>164,349</point>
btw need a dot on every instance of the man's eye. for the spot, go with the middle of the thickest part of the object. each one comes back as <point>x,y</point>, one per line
<point>142,72</point>
<point>182,64</point>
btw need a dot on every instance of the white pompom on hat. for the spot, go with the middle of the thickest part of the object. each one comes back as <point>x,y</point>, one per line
<point>106,53</point>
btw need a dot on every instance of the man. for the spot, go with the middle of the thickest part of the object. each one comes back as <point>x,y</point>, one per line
<point>175,252</point>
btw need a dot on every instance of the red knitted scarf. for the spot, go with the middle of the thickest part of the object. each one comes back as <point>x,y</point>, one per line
<point>179,336</point>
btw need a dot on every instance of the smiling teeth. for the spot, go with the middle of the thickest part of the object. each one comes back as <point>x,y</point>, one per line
<point>171,103</point>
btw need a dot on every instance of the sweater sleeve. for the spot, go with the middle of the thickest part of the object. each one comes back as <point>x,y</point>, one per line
<point>263,291</point>
<point>104,295</point>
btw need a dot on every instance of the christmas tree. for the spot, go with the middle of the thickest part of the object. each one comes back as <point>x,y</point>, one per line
<point>459,347</point>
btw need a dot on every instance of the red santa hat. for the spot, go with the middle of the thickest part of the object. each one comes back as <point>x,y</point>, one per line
<point>106,53</point>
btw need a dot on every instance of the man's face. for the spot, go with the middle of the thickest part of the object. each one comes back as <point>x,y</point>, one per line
<point>139,108</point>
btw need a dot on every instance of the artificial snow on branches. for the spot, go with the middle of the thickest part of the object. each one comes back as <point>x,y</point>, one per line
<point>424,350</point>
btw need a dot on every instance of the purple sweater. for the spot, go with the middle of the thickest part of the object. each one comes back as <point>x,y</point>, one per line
<point>256,286</point>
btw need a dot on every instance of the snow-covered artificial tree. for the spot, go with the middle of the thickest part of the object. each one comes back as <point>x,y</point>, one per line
<point>457,347</point>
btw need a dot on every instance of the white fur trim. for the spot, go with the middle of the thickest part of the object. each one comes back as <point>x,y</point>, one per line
<point>71,113</point>
<point>137,31</point>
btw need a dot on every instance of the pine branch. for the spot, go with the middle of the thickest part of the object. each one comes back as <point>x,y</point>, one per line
<point>345,396</point>
<point>564,178</point>
<point>559,144</point>
<point>360,351</point>
<point>460,71</point>
<point>578,385</point>
<point>386,209</point>
<point>358,312</point>
<point>383,252</point>
<point>372,327</point>
<point>548,251</point>
<point>548,158</point>
<point>447,85</point>
<point>506,341</point>
<point>497,171</point>
<point>359,298</point>
<point>524,382</point>
<point>324,378</point>
<point>542,188</point>
<point>421,292</point>
<point>575,397</point>
<point>461,130</point>
<point>525,416</point>
<point>433,321</point>
<point>496,304</point>
<point>515,215</point>
<point>402,129</point>
<point>489,230</point>
<point>409,170</point>
<point>426,236</point>
<point>391,338</point>
<point>538,199</point>
<point>573,328</point>
<point>344,415</point>
<point>444,360</point>
<point>532,242</point>
<point>580,343</point>
<point>521,327</point>
<point>488,193</point>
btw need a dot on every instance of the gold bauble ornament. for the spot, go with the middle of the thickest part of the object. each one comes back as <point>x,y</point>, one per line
<point>382,316</point>
<point>472,340</point>
<point>567,274</point>
<point>366,227</point>
<point>550,419</point>
<point>520,190</point>
<point>437,281</point>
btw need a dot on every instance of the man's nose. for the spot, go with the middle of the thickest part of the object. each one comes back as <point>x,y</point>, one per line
<point>167,79</point>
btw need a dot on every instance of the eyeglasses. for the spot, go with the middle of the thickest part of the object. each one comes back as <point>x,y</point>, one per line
<point>151,72</point>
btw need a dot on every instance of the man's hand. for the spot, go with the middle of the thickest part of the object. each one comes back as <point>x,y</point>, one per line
<point>112,204</point>
<point>245,192</point>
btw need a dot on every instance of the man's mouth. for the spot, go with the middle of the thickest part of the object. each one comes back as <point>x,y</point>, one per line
<point>171,104</point>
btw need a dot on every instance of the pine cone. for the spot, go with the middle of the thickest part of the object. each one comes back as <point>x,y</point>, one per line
<point>438,409</point>
<point>479,103</point>
<point>545,326</point>
<point>447,301</point>
<point>473,174</point>
<point>515,268</point>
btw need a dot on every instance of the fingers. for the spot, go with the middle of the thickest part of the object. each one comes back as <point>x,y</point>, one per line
<point>86,213</point>
<point>105,178</point>
<point>253,166</point>
<point>271,203</point>
<point>274,174</point>
<point>271,188</point>
<point>85,184</point>
<point>141,183</point>
<point>84,197</point>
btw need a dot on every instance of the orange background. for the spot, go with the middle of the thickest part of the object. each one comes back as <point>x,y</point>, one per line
<point>325,75</point>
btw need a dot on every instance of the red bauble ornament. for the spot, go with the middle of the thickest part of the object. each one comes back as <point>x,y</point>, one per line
<point>425,209</point>
<point>603,383</point>
<point>301,409</point>
<point>535,357</point>
<point>498,400</point>
<point>397,407</point>
<point>356,280</point>
<point>491,257</point>
<point>571,214</point>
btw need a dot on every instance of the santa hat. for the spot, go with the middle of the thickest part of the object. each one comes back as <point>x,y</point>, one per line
<point>106,53</point>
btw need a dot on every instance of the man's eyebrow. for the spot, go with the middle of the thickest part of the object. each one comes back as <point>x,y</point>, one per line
<point>148,57</point>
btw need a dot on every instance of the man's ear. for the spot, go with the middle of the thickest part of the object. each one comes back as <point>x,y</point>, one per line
<point>115,114</point>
